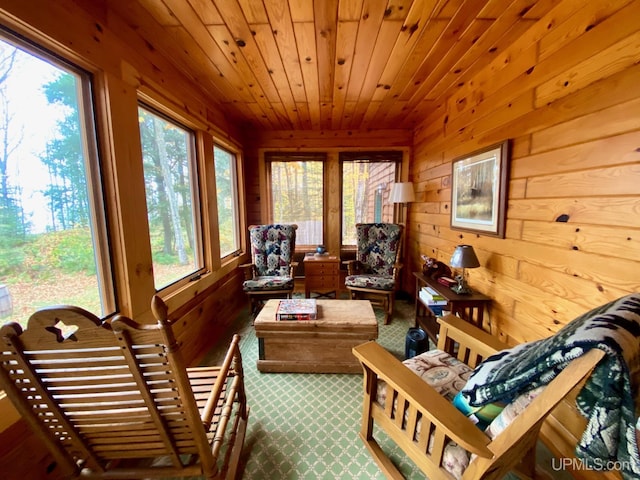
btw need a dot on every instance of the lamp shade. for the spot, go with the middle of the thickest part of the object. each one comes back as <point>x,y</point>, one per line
<point>464,257</point>
<point>402,192</point>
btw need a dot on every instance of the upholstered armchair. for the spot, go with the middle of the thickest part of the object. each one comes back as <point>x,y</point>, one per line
<point>270,275</point>
<point>373,275</point>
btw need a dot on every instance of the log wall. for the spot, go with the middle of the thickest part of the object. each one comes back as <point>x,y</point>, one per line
<point>568,95</point>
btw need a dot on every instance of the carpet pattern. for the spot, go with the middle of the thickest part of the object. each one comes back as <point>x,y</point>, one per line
<point>305,426</point>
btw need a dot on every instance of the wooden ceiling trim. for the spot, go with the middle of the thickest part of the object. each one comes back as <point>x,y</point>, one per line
<point>396,77</point>
<point>196,55</point>
<point>301,11</point>
<point>306,39</point>
<point>498,36</point>
<point>455,30</point>
<point>269,50</point>
<point>263,90</point>
<point>325,16</point>
<point>164,46</point>
<point>418,20</point>
<point>350,10</point>
<point>398,9</point>
<point>207,12</point>
<point>363,56</point>
<point>306,65</point>
<point>253,11</point>
<point>205,42</point>
<point>447,62</point>
<point>389,32</point>
<point>161,13</point>
<point>284,36</point>
<point>590,15</point>
<point>345,47</point>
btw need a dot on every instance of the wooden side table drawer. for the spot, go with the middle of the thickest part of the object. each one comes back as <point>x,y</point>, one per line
<point>321,275</point>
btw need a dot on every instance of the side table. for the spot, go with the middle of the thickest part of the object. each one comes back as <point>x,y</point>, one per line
<point>469,307</point>
<point>321,275</point>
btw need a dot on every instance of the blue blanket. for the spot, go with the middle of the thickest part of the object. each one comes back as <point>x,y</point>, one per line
<point>608,397</point>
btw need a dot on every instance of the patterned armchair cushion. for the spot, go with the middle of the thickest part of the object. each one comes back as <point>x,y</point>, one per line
<point>378,246</point>
<point>268,283</point>
<point>377,282</point>
<point>272,248</point>
<point>447,375</point>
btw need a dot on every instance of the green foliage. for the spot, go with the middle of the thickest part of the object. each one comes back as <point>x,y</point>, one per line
<point>70,251</point>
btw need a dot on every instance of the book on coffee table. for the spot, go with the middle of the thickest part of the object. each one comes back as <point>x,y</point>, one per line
<point>297,309</point>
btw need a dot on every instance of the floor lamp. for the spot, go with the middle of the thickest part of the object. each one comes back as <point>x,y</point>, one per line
<point>403,193</point>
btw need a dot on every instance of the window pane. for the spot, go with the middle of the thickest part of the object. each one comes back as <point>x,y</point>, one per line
<point>227,194</point>
<point>297,193</point>
<point>53,247</point>
<point>171,189</point>
<point>365,195</point>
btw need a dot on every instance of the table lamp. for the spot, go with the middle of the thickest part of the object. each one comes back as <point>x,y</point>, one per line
<point>463,257</point>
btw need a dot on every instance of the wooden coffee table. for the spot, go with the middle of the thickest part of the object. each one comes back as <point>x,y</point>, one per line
<point>315,346</point>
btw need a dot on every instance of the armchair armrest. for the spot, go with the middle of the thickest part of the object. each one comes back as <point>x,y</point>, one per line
<point>249,270</point>
<point>352,266</point>
<point>445,418</point>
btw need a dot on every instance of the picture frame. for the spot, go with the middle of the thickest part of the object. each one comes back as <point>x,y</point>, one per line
<point>479,190</point>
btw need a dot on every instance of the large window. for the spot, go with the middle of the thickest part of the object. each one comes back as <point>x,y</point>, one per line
<point>227,195</point>
<point>366,185</point>
<point>173,205</point>
<point>297,194</point>
<point>53,241</point>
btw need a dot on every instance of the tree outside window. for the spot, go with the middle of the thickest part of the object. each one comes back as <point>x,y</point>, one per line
<point>53,246</point>
<point>171,191</point>
<point>297,194</point>
<point>227,196</point>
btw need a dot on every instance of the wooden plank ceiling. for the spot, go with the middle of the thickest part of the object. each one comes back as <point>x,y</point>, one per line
<point>329,64</point>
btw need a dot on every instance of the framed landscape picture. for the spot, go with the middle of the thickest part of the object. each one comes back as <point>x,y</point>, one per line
<point>479,190</point>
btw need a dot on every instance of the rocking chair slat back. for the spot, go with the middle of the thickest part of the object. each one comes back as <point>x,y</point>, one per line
<point>99,394</point>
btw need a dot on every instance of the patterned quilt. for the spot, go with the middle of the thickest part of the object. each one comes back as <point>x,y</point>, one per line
<point>608,397</point>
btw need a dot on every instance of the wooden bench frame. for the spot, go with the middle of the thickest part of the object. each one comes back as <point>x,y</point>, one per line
<point>513,449</point>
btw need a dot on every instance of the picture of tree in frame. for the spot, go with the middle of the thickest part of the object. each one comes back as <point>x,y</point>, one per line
<point>479,191</point>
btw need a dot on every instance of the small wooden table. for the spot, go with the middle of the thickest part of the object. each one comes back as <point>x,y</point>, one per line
<point>469,307</point>
<point>321,275</point>
<point>315,346</point>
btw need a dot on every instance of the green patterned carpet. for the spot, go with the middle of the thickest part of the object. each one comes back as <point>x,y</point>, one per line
<point>305,426</point>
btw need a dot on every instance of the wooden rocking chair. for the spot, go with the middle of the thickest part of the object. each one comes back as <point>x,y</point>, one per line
<point>114,401</point>
<point>423,423</point>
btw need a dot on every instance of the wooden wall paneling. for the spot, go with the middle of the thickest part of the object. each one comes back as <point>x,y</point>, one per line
<point>607,211</point>
<point>622,242</point>
<point>609,61</point>
<point>200,326</point>
<point>582,19</point>
<point>618,180</point>
<point>623,148</point>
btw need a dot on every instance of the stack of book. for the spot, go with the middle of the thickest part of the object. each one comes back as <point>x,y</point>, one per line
<point>297,309</point>
<point>434,300</point>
